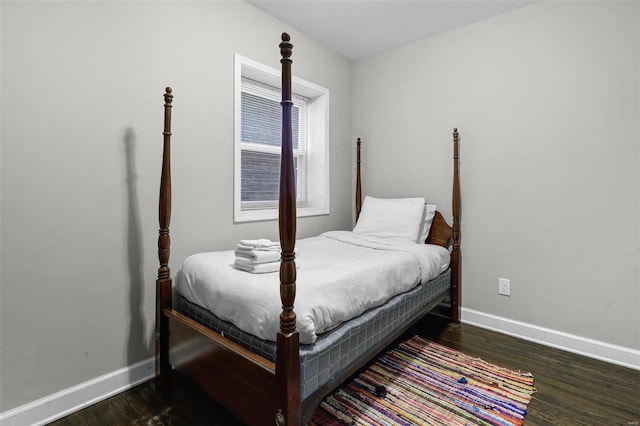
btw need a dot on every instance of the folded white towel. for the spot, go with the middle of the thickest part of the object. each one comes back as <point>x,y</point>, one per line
<point>260,244</point>
<point>257,268</point>
<point>262,248</point>
<point>258,256</point>
<point>260,268</point>
<point>246,261</point>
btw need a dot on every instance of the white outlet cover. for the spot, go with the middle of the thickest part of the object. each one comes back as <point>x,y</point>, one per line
<point>504,286</point>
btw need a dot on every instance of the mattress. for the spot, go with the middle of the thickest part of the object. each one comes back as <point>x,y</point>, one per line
<point>340,276</point>
<point>335,351</point>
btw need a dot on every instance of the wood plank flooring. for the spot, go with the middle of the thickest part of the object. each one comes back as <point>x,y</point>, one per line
<point>572,390</point>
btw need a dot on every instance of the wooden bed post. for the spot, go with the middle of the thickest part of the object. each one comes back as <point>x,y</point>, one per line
<point>288,357</point>
<point>456,259</point>
<point>358,181</point>
<point>163,283</point>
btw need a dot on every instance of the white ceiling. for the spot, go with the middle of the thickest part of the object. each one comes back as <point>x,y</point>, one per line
<point>360,28</point>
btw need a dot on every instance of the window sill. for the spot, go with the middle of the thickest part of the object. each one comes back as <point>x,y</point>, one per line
<point>272,214</point>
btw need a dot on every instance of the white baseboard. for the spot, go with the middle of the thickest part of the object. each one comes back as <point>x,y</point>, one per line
<point>53,407</point>
<point>591,348</point>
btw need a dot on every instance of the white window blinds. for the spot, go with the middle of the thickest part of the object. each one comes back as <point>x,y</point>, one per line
<point>261,136</point>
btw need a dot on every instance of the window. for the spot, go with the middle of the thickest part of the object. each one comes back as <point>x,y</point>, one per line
<point>258,128</point>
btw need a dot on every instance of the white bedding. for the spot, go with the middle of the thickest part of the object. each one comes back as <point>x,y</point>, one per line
<point>340,276</point>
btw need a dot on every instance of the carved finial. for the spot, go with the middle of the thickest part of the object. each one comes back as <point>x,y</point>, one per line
<point>168,96</point>
<point>286,48</point>
<point>359,142</point>
<point>455,130</point>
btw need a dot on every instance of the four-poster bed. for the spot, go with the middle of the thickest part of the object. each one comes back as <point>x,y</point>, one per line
<point>263,388</point>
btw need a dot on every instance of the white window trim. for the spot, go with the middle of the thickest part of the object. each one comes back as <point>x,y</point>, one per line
<point>318,128</point>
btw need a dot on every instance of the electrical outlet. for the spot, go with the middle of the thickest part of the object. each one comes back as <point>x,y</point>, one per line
<point>504,286</point>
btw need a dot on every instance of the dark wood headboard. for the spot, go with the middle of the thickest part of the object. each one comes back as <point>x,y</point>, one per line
<point>440,233</point>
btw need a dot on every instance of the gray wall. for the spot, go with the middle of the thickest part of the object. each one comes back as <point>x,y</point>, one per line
<point>82,86</point>
<point>546,99</point>
<point>547,102</point>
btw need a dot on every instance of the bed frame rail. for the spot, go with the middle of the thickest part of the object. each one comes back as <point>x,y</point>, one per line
<point>234,376</point>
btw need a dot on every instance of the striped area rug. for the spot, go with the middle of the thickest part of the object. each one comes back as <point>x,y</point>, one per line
<point>424,383</point>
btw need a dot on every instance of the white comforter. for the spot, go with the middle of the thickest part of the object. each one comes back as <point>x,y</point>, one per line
<point>340,276</point>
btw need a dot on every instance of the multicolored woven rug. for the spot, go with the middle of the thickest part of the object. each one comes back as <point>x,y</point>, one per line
<point>424,383</point>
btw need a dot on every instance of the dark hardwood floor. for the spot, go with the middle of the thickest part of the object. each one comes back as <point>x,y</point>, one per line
<point>572,390</point>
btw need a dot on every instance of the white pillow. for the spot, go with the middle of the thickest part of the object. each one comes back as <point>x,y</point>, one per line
<point>393,218</point>
<point>427,220</point>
